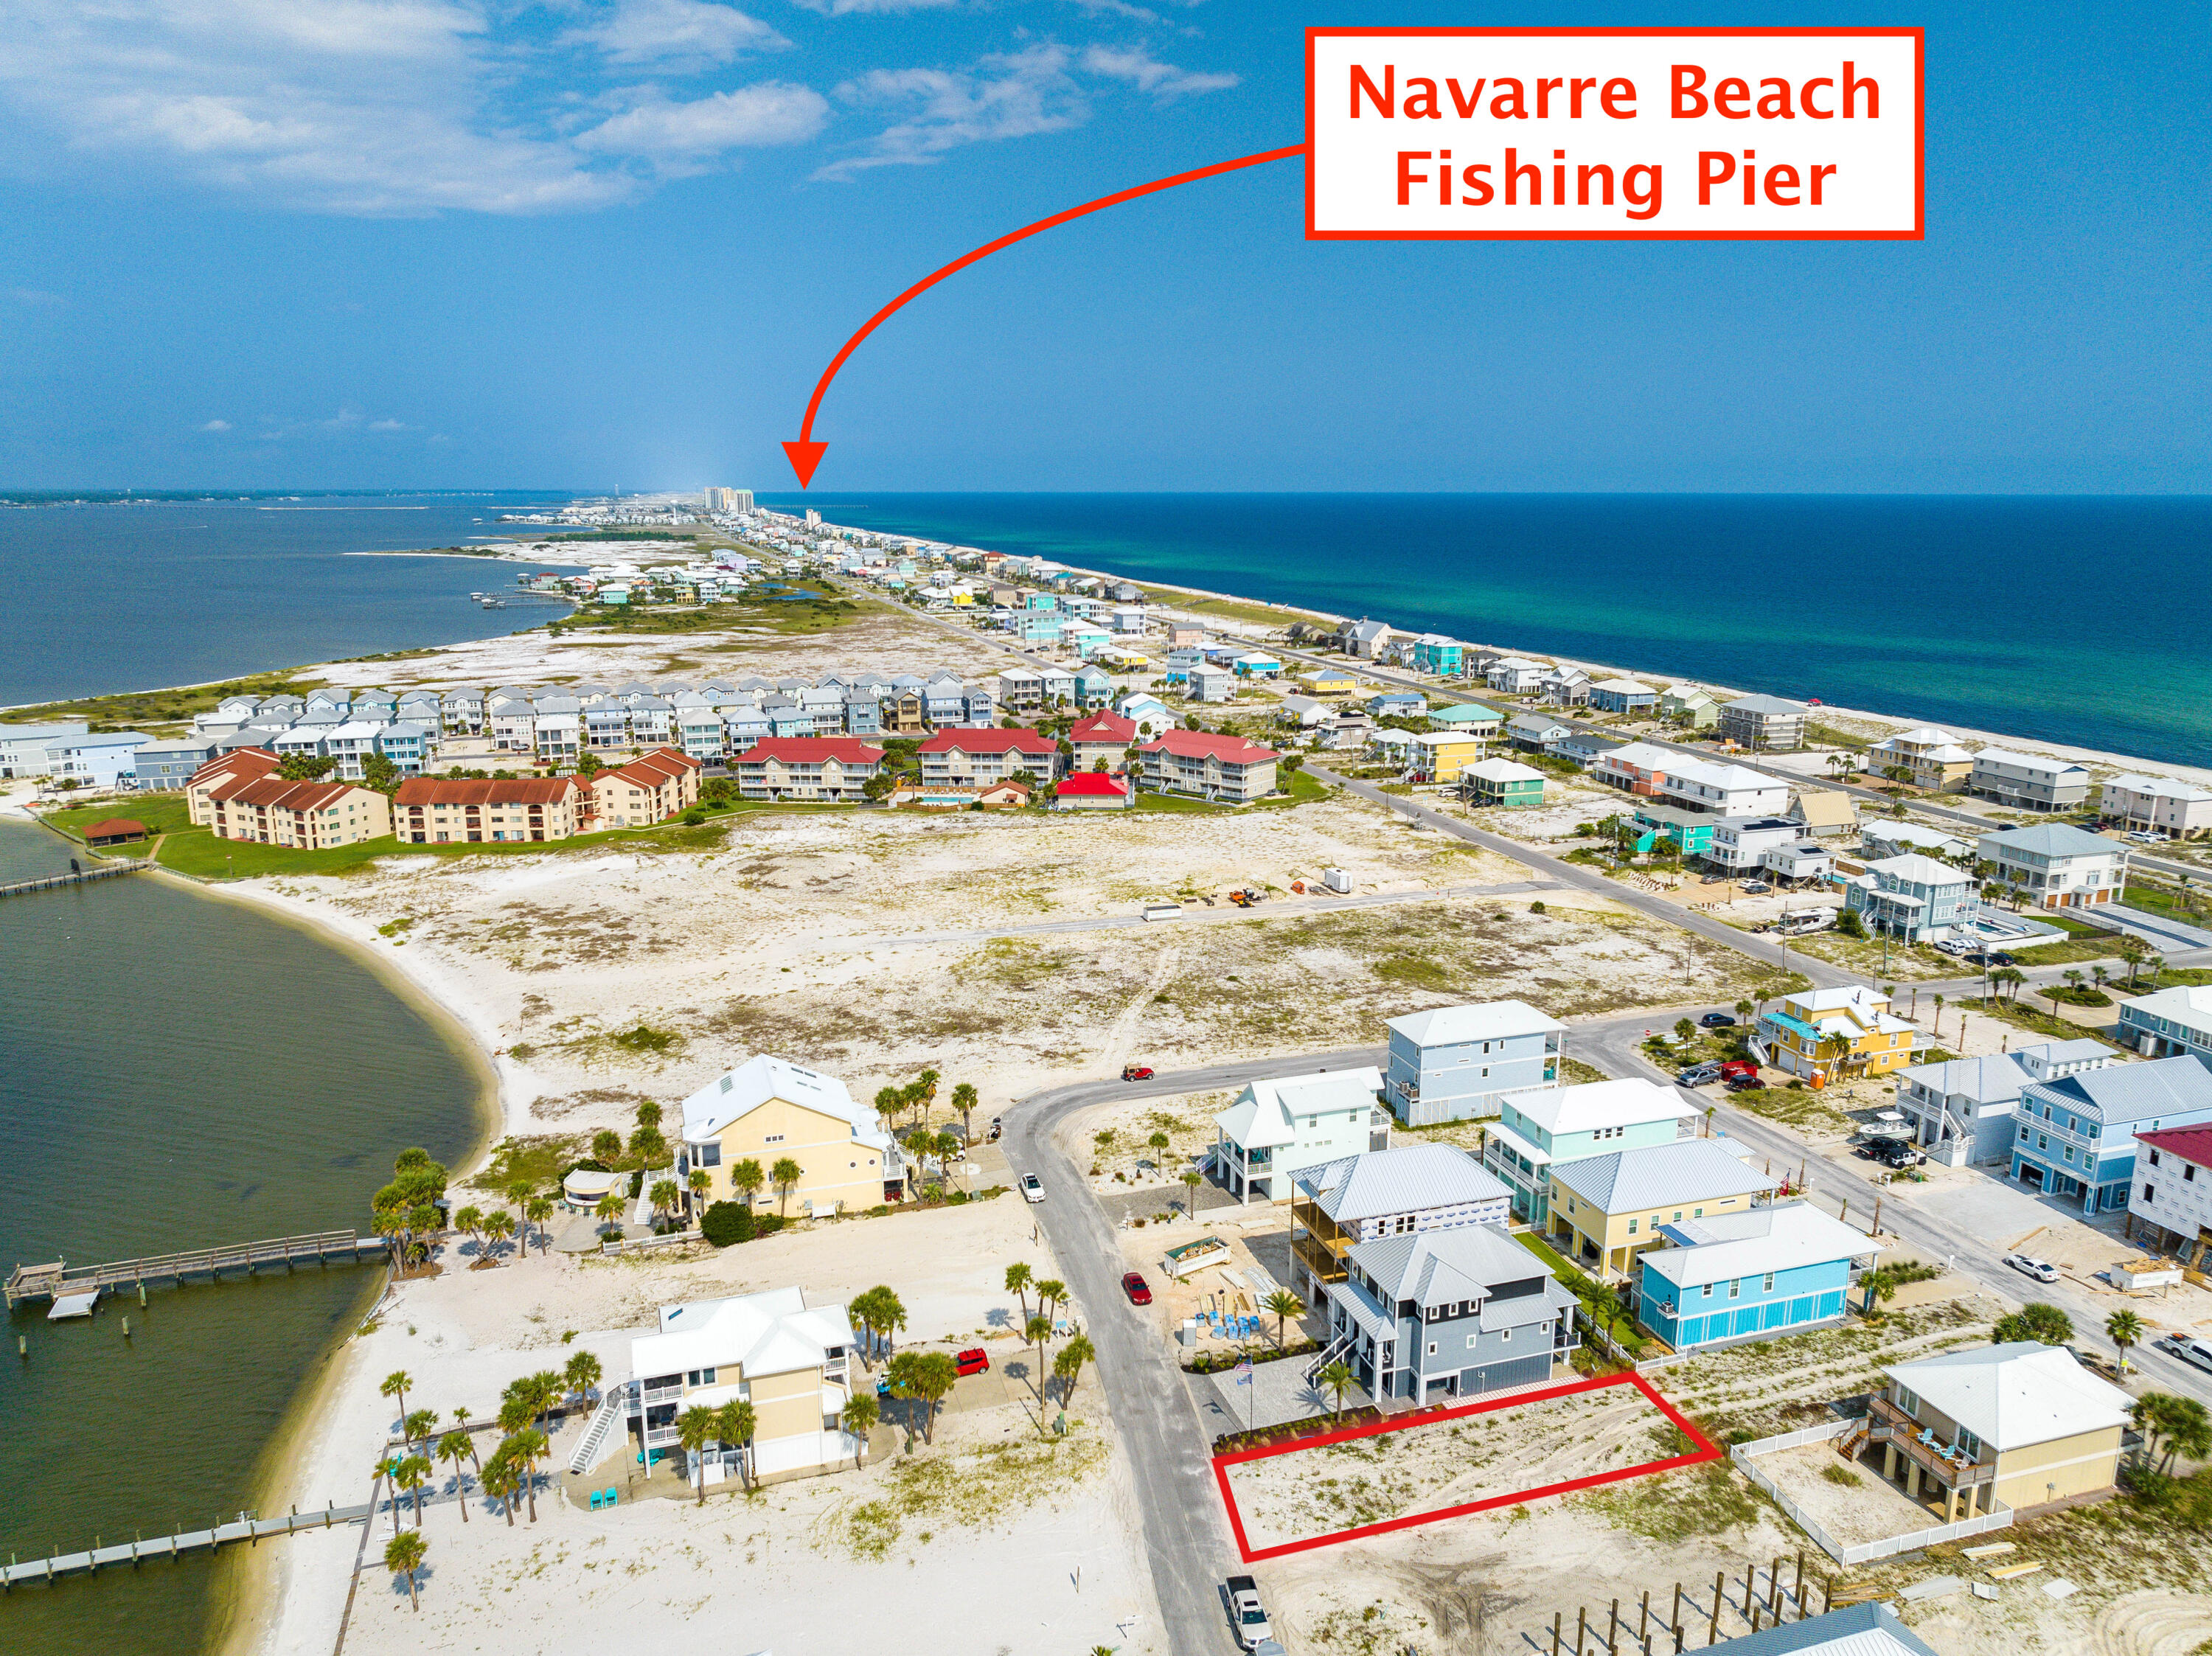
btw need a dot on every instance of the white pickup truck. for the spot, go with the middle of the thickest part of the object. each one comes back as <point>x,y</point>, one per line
<point>1248,1614</point>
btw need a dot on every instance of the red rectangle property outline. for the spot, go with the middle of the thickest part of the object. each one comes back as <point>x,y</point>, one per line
<point>1707,1450</point>
<point>1917,233</point>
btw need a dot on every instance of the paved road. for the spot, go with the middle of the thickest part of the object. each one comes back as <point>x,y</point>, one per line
<point>1187,1540</point>
<point>1272,910</point>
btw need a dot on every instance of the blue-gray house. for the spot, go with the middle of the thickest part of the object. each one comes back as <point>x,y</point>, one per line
<point>1775,1270</point>
<point>1448,1313</point>
<point>1457,1062</point>
<point>2076,1136</point>
<point>169,765</point>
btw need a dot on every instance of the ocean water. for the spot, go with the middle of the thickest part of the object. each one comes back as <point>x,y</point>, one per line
<point>180,1071</point>
<point>2077,620</point>
<point>135,596</point>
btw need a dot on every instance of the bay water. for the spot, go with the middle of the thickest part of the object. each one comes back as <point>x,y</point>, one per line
<point>180,1070</point>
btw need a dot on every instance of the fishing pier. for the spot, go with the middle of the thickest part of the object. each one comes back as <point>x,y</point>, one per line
<point>83,1284</point>
<point>83,876</point>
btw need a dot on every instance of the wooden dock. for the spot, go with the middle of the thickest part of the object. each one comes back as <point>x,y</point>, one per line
<point>106,871</point>
<point>54,1281</point>
<point>90,1561</point>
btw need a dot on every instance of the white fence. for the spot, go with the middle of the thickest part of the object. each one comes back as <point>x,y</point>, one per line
<point>1745,1454</point>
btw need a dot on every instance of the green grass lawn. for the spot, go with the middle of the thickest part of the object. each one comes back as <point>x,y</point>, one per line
<point>2021,1015</point>
<point>133,708</point>
<point>161,813</point>
<point>2102,946</point>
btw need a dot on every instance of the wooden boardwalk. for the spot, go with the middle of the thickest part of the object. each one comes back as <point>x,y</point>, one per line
<point>48,1282</point>
<point>107,871</point>
<point>93,1559</point>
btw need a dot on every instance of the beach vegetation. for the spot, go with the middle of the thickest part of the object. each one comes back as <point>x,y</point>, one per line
<point>403,1556</point>
<point>137,709</point>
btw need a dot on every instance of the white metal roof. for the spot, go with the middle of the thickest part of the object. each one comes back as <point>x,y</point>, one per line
<point>2014,1396</point>
<point>773,1332</point>
<point>760,1078</point>
<point>1412,1179</point>
<point>1598,1104</point>
<point>1660,1175</point>
<point>1445,1026</point>
<point>1782,1237</point>
<point>1261,1116</point>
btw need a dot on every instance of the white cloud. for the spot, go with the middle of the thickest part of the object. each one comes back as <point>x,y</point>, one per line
<point>1147,74</point>
<point>1014,95</point>
<point>217,425</point>
<point>665,132</point>
<point>36,296</point>
<point>878,7</point>
<point>389,425</point>
<point>673,32</point>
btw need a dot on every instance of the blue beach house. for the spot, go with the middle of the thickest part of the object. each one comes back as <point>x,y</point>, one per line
<point>1775,1270</point>
<point>1551,1125</point>
<point>2076,1136</point>
<point>1458,1063</point>
<point>1434,654</point>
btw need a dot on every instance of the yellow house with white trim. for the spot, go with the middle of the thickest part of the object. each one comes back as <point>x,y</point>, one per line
<point>769,1111</point>
<point>1795,1034</point>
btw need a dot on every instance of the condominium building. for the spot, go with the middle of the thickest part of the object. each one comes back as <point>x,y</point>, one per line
<point>825,768</point>
<point>2156,804</point>
<point>306,815</point>
<point>451,810</point>
<point>1207,765</point>
<point>652,788</point>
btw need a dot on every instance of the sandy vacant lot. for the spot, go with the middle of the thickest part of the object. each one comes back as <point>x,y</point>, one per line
<point>1371,1480</point>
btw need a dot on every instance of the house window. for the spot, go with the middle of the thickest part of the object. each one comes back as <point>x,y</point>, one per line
<point>1735,1287</point>
<point>1969,1445</point>
<point>1706,1292</point>
<point>2188,1173</point>
<point>2154,1158</point>
<point>1767,1287</point>
<point>1677,1218</point>
<point>773,1138</point>
<point>1908,1401</point>
<point>1631,1227</point>
<point>1699,1214</point>
<point>2149,1194</point>
<point>1505,1336</point>
<point>1470,1342</point>
<point>1433,1348</point>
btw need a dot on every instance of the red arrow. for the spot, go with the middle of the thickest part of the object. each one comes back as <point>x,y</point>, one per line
<point>806,453</point>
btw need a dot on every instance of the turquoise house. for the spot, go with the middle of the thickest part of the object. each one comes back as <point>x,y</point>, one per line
<point>1776,1269</point>
<point>1545,1126</point>
<point>1434,654</point>
<point>1692,832</point>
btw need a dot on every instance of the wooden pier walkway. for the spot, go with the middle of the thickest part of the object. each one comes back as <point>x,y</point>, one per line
<point>93,1559</point>
<point>106,871</point>
<point>58,1279</point>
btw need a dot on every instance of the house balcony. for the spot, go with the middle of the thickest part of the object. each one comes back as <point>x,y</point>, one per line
<point>1324,1262</point>
<point>1892,1426</point>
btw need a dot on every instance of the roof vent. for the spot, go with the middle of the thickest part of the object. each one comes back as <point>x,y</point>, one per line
<point>728,1082</point>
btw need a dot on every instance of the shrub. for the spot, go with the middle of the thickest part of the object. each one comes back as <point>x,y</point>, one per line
<point>1849,923</point>
<point>1536,908</point>
<point>1837,1472</point>
<point>725,1223</point>
<point>693,817</point>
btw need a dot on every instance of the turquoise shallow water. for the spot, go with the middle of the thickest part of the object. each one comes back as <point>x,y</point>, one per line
<point>2081,620</point>
<point>178,1072</point>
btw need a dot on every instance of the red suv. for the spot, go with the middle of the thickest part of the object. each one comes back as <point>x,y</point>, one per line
<point>1136,1072</point>
<point>974,1361</point>
<point>1137,1288</point>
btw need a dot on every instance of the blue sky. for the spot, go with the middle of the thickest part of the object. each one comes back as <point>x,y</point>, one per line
<point>455,243</point>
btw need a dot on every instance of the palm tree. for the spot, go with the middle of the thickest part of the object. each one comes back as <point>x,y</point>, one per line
<point>700,1182</point>
<point>1338,1379</point>
<point>1939,1017</point>
<point>860,1416</point>
<point>1837,1049</point>
<point>2099,976</point>
<point>410,1475</point>
<point>932,1378</point>
<point>2188,1431</point>
<point>1018,1278</point>
<point>498,1479</point>
<point>888,1101</point>
<point>1067,1366</point>
<point>890,1312</point>
<point>1038,1332</point>
<point>2123,1329</point>
<point>1191,1182</point>
<point>396,1384</point>
<point>583,1373</point>
<point>518,1196</point>
<point>540,1209</point>
<point>694,1429</point>
<point>526,1447</point>
<point>458,1446</point>
<point>1052,1294</point>
<point>1285,1305</point>
<point>963,1100</point>
<point>2156,963</point>
<point>609,1209</point>
<point>498,1227</point>
<point>469,1221</point>
<point>403,1556</point>
<point>862,1306</point>
<point>418,1425</point>
<point>734,1423</point>
<point>665,1196</point>
<point>786,1173</point>
<point>746,1179</point>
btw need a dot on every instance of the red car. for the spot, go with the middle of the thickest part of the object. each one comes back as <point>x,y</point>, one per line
<point>1136,1072</point>
<point>974,1361</point>
<point>1137,1288</point>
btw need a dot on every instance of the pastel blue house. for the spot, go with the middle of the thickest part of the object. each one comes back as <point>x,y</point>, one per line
<point>1403,703</point>
<point>1458,1063</point>
<point>1434,654</point>
<point>1914,897</point>
<point>170,765</point>
<point>1775,1270</point>
<point>1038,627</point>
<point>2076,1136</point>
<point>1551,1125</point>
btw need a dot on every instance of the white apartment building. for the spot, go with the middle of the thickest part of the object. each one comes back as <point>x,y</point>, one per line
<point>2054,865</point>
<point>2156,804</point>
<point>1722,789</point>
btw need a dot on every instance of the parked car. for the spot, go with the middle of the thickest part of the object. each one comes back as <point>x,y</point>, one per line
<point>974,1361</point>
<point>1698,1075</point>
<point>1138,1290</point>
<point>2042,1269</point>
<point>1757,888</point>
<point>1247,1614</point>
<point>1897,1155</point>
<point>1033,1187</point>
<point>1717,1021</point>
<point>1136,1072</point>
<point>1743,1083</point>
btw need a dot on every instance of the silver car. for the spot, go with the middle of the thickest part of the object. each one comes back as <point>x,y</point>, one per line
<point>2042,1269</point>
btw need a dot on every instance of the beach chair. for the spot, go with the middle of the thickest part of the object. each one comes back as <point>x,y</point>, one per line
<point>598,1499</point>
<point>613,1496</point>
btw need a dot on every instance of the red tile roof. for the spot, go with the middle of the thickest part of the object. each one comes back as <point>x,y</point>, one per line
<point>1104,727</point>
<point>653,770</point>
<point>117,827</point>
<point>1093,785</point>
<point>1205,744</point>
<point>461,791</point>
<point>811,750</point>
<point>275,793</point>
<point>1022,739</point>
<point>256,762</point>
<point>2190,1143</point>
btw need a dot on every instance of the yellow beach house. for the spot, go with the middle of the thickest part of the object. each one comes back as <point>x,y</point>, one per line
<point>790,1361</point>
<point>769,1111</point>
<point>1798,1034</point>
<point>1605,1210</point>
<point>1444,755</point>
<point>2022,1424</point>
<point>1330,681</point>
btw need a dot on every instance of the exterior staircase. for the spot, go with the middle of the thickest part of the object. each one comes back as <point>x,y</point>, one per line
<point>606,1421</point>
<point>1339,1347</point>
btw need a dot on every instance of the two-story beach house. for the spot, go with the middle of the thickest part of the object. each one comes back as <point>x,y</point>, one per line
<point>1913,897</point>
<point>1780,1269</point>
<point>1548,1124</point>
<point>2021,781</point>
<point>790,1361</point>
<point>1277,1129</point>
<point>1824,1035</point>
<point>1415,1188</point>
<point>2170,1021</point>
<point>1448,1313</point>
<point>2018,1425</point>
<point>2055,865</point>
<point>768,1110</point>
<point>2156,804</point>
<point>2076,1136</point>
<point>1932,759</point>
<point>826,767</point>
<point>1607,1209</point>
<point>1961,1111</point>
<point>1458,1063</point>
